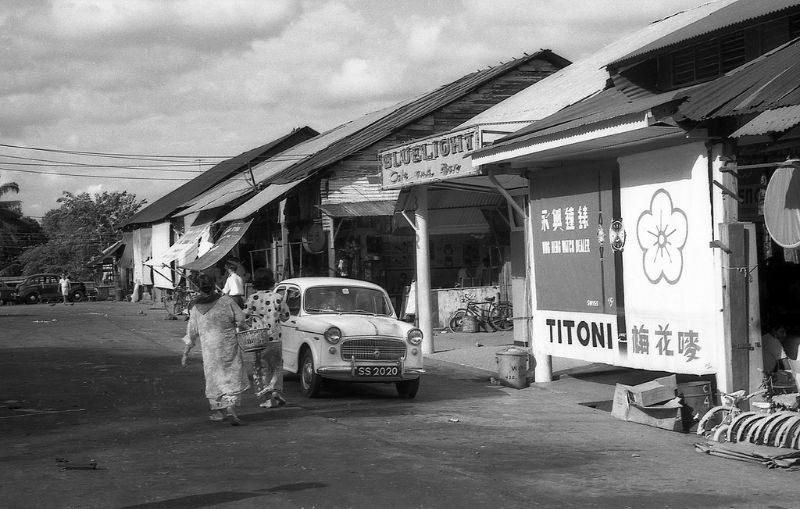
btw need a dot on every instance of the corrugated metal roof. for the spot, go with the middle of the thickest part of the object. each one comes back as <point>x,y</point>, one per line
<point>346,139</point>
<point>585,77</point>
<point>262,199</point>
<point>356,209</point>
<point>771,121</point>
<point>606,105</point>
<point>727,16</point>
<point>768,82</point>
<point>167,204</point>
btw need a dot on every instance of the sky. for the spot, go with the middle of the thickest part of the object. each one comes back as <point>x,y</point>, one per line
<point>141,95</point>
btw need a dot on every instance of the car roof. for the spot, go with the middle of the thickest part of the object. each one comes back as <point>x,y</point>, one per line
<point>307,282</point>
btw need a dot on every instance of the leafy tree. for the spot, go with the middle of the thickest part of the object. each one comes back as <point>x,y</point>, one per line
<point>16,232</point>
<point>79,230</point>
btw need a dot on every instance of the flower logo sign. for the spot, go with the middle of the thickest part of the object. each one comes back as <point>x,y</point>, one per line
<point>662,233</point>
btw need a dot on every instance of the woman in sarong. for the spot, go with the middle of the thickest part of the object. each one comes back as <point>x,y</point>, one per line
<point>213,320</point>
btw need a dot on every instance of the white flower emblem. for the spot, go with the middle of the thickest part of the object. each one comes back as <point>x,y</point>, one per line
<point>662,233</point>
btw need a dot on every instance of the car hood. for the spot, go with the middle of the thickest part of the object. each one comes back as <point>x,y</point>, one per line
<point>357,325</point>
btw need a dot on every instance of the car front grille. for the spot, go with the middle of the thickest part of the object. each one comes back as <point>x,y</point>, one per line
<point>373,349</point>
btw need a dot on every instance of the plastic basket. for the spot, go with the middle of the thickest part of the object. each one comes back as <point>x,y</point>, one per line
<point>253,339</point>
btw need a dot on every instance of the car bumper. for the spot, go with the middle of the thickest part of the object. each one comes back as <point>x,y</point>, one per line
<point>350,372</point>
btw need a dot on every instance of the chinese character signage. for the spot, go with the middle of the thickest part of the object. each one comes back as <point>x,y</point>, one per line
<point>671,312</point>
<point>430,159</point>
<point>574,270</point>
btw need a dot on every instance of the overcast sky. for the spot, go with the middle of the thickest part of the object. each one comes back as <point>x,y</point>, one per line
<point>202,78</point>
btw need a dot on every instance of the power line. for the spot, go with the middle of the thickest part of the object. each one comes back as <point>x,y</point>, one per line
<point>113,154</point>
<point>92,176</point>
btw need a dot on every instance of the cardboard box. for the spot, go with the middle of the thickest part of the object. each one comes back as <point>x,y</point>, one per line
<point>655,391</point>
<point>665,416</point>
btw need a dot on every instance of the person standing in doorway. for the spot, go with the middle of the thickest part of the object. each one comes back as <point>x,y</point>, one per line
<point>234,285</point>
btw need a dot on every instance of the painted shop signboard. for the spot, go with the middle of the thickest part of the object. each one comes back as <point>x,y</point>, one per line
<point>574,268</point>
<point>672,312</point>
<point>431,159</point>
<point>671,315</point>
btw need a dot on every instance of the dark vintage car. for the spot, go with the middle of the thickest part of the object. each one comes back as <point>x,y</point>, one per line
<point>45,287</point>
<point>8,294</point>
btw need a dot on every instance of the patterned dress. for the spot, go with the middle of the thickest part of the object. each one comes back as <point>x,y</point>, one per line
<point>265,310</point>
<point>214,325</point>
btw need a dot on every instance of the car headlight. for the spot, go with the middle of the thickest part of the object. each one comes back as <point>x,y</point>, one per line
<point>414,336</point>
<point>333,335</point>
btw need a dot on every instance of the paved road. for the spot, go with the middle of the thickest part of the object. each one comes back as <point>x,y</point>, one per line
<point>102,382</point>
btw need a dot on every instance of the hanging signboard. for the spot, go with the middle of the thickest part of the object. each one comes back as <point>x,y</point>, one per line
<point>432,159</point>
<point>672,315</point>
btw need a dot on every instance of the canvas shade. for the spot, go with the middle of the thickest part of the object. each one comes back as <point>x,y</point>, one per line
<point>229,238</point>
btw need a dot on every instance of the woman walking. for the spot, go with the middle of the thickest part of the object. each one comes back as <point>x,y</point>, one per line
<point>265,310</point>
<point>213,320</point>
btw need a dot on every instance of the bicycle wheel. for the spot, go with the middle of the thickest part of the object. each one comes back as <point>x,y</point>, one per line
<point>501,316</point>
<point>713,418</point>
<point>456,321</point>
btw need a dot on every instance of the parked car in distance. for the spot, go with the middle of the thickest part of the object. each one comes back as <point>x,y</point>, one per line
<point>44,287</point>
<point>8,294</point>
<point>344,329</point>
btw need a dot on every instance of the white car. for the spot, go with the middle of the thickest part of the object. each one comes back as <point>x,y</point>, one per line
<point>344,329</point>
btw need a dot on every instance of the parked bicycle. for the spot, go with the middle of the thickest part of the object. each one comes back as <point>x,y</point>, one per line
<point>177,301</point>
<point>770,423</point>
<point>487,314</point>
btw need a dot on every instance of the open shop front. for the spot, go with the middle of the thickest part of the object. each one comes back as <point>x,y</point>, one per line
<point>463,243</point>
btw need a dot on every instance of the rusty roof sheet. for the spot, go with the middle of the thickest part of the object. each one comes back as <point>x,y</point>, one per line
<point>771,121</point>
<point>728,15</point>
<point>359,209</point>
<point>768,82</point>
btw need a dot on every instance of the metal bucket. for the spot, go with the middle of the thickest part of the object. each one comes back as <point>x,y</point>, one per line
<point>697,400</point>
<point>469,324</point>
<point>512,366</point>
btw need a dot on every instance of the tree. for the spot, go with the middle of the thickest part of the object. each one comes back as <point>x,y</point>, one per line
<point>79,230</point>
<point>17,232</point>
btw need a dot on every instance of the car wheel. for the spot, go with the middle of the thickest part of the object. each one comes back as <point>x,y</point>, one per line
<point>407,389</point>
<point>76,295</point>
<point>310,381</point>
<point>31,298</point>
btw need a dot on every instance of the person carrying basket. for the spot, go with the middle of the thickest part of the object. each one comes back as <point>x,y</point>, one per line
<point>265,310</point>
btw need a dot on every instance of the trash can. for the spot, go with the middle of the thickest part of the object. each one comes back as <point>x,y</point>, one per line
<point>469,324</point>
<point>512,366</point>
<point>119,294</point>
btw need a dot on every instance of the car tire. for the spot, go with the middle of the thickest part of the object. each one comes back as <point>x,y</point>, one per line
<point>32,298</point>
<point>407,389</point>
<point>76,295</point>
<point>310,381</point>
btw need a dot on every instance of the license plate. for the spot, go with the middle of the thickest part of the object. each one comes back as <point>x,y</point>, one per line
<point>370,371</point>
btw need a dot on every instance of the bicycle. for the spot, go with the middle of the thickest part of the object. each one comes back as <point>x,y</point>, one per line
<point>487,314</point>
<point>177,301</point>
<point>770,424</point>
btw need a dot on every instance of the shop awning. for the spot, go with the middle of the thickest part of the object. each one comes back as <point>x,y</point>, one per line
<point>107,254</point>
<point>771,121</point>
<point>262,199</point>
<point>356,209</point>
<point>229,238</point>
<point>181,248</point>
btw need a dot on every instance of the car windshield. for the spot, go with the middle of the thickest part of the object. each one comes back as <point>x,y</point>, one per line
<point>346,299</point>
